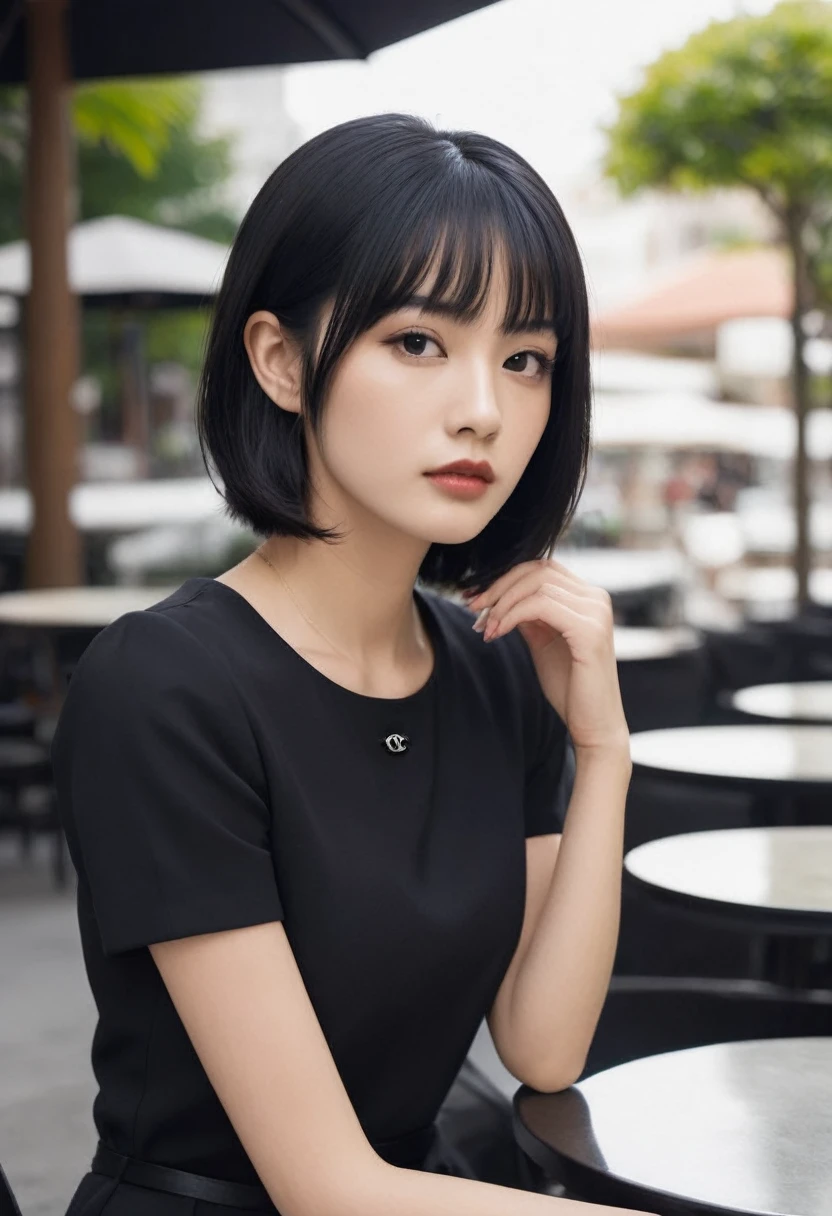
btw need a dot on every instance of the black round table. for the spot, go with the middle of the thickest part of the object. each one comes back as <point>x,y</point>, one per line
<point>786,769</point>
<point>809,702</point>
<point>737,1128</point>
<point>774,882</point>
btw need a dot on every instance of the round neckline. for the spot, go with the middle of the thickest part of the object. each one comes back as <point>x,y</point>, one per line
<point>429,620</point>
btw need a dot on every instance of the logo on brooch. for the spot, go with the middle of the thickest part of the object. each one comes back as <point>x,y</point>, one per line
<point>396,743</point>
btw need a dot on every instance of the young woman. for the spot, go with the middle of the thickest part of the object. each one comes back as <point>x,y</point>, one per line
<point>312,805</point>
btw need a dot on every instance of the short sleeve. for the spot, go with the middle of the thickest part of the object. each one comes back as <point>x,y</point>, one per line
<point>160,788</point>
<point>549,755</point>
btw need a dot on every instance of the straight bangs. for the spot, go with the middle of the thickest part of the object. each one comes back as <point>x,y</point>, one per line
<point>463,232</point>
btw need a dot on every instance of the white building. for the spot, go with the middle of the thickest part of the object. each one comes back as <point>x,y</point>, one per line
<point>250,104</point>
<point>628,243</point>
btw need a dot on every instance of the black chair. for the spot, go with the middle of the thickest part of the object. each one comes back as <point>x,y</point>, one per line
<point>17,720</point>
<point>8,1203</point>
<point>737,658</point>
<point>647,1015</point>
<point>661,943</point>
<point>807,638</point>
<point>668,691</point>
<point>661,804</point>
<point>25,764</point>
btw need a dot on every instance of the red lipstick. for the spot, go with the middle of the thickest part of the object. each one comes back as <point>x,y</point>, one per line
<point>463,478</point>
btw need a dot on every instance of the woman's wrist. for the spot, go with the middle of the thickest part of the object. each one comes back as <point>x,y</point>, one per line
<point>614,752</point>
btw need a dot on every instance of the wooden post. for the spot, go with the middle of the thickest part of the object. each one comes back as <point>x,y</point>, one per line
<point>795,220</point>
<point>52,427</point>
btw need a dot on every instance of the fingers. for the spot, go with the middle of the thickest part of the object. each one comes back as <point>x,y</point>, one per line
<point>529,580</point>
<point>546,569</point>
<point>599,593</point>
<point>538,607</point>
<point>588,634</point>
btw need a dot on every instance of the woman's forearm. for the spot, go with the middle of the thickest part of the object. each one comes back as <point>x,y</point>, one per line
<point>417,1193</point>
<point>562,981</point>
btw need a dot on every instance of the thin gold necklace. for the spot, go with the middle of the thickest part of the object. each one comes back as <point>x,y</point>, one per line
<point>395,742</point>
<point>308,619</point>
<point>305,616</point>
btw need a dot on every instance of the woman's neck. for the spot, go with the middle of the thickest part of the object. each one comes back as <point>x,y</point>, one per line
<point>351,614</point>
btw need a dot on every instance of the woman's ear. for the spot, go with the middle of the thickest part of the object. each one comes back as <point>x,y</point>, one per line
<point>275,360</point>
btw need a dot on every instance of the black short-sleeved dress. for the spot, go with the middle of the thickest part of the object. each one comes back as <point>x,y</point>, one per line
<point>209,778</point>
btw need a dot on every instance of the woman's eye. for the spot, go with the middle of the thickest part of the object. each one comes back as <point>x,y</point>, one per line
<point>521,363</point>
<point>529,363</point>
<point>414,343</point>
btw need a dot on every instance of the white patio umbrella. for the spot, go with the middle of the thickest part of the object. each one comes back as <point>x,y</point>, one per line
<point>118,260</point>
<point>120,257</point>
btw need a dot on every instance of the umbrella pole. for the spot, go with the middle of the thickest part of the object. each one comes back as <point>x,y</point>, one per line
<point>52,426</point>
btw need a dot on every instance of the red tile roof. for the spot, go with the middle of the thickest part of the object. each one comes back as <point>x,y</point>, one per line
<point>710,287</point>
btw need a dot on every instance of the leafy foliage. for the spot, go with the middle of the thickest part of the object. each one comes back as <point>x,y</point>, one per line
<point>743,102</point>
<point>139,154</point>
<point>748,102</point>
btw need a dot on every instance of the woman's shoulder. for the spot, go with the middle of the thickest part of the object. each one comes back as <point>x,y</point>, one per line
<point>146,639</point>
<point>178,632</point>
<point>150,675</point>
<point>154,658</point>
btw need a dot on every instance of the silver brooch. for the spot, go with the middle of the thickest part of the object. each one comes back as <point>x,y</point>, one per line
<point>397,743</point>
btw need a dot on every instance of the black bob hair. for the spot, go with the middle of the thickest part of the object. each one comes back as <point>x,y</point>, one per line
<point>359,215</point>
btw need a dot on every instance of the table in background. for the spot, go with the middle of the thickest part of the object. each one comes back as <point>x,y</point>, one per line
<point>808,702</point>
<point>774,882</point>
<point>740,1128</point>
<point>75,607</point>
<point>642,643</point>
<point>785,769</point>
<point>75,614</point>
<point>769,592</point>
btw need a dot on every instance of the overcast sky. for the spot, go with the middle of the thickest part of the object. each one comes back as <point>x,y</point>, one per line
<point>538,74</point>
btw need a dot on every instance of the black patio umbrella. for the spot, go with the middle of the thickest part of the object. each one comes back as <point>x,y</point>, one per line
<point>50,43</point>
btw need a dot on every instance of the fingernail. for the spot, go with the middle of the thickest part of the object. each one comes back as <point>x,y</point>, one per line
<point>480,623</point>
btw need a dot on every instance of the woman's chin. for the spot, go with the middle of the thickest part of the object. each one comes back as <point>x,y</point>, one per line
<point>453,533</point>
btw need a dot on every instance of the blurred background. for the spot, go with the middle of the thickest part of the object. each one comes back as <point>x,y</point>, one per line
<point>688,251</point>
<point>690,146</point>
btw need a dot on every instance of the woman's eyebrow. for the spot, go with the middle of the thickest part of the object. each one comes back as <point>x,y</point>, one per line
<point>532,325</point>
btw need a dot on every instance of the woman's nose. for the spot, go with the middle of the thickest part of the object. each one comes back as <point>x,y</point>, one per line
<point>477,405</point>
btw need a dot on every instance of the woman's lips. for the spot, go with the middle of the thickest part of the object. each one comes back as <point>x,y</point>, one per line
<point>459,485</point>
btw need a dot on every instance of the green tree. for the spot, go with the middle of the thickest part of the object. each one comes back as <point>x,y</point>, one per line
<point>154,166</point>
<point>139,153</point>
<point>747,102</point>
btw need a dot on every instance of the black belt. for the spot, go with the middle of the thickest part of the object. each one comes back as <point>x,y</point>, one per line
<point>410,1150</point>
<point>253,1198</point>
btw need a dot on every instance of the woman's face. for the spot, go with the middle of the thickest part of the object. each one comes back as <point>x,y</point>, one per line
<point>421,390</point>
<point>418,391</point>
